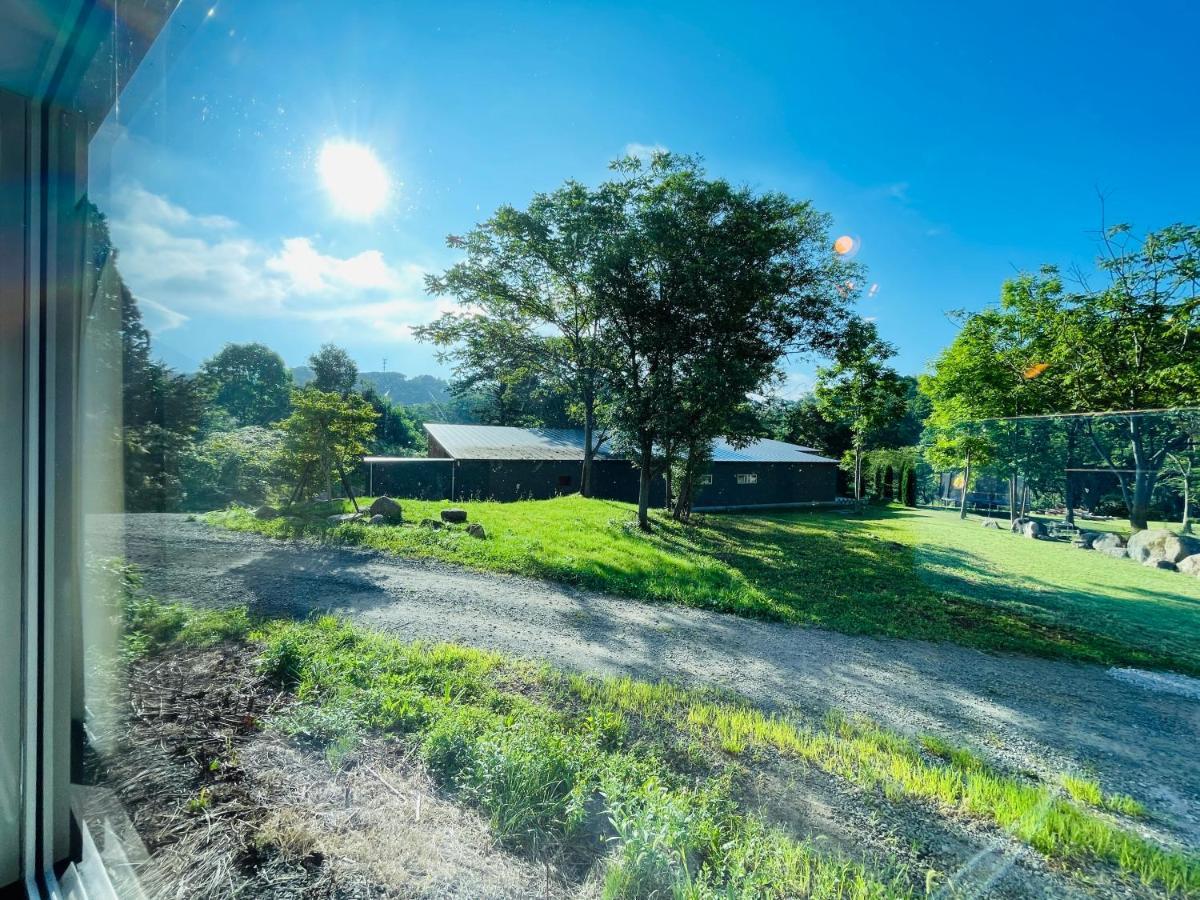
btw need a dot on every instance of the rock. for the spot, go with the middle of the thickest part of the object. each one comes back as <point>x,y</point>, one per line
<point>477,531</point>
<point>1189,565</point>
<point>1084,539</point>
<point>1113,551</point>
<point>1159,543</point>
<point>990,523</point>
<point>454,515</point>
<point>388,508</point>
<point>1108,542</point>
<point>1032,528</point>
<point>430,523</point>
<point>1161,564</point>
<point>266,512</point>
<point>344,517</point>
<point>377,519</point>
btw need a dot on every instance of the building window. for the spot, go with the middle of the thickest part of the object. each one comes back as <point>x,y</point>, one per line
<point>750,478</point>
<point>564,480</point>
<point>706,479</point>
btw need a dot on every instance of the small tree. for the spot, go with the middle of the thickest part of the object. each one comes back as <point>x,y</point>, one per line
<point>325,433</point>
<point>861,391</point>
<point>333,370</point>
<point>1179,474</point>
<point>953,440</point>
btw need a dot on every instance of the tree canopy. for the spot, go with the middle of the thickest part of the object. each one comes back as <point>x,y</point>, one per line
<point>250,382</point>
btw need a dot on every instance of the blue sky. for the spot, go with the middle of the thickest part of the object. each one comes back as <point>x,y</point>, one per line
<point>958,145</point>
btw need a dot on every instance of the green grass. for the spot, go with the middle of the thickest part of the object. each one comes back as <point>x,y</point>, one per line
<point>893,571</point>
<point>573,768</point>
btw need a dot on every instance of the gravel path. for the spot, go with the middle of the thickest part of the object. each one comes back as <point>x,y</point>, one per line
<point>1031,714</point>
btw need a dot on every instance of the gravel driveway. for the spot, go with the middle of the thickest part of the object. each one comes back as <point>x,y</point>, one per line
<point>1031,714</point>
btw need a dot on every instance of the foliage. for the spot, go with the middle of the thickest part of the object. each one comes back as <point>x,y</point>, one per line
<point>333,371</point>
<point>861,391</point>
<point>325,433</point>
<point>802,422</point>
<point>898,573</point>
<point>250,382</point>
<point>231,466</point>
<point>397,431</point>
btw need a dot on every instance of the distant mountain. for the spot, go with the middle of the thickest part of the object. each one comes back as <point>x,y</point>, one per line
<point>402,390</point>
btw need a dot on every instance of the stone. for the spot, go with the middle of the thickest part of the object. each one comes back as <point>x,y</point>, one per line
<point>344,517</point>
<point>1110,550</point>
<point>990,523</point>
<point>1084,539</point>
<point>1032,528</point>
<point>1189,565</point>
<point>430,523</point>
<point>454,515</point>
<point>266,512</point>
<point>377,519</point>
<point>477,531</point>
<point>1161,564</point>
<point>1158,543</point>
<point>388,508</point>
<point>1107,542</point>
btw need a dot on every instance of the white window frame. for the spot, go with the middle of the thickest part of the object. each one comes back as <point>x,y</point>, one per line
<point>747,478</point>
<point>705,479</point>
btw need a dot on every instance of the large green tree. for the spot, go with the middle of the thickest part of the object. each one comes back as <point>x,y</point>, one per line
<point>333,370</point>
<point>530,317</point>
<point>705,287</point>
<point>861,390</point>
<point>325,434</point>
<point>250,382</point>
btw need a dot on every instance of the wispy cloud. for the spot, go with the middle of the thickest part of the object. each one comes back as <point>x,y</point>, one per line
<point>182,265</point>
<point>643,151</point>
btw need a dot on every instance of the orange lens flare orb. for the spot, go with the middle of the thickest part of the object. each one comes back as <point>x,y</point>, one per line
<point>1035,370</point>
<point>843,245</point>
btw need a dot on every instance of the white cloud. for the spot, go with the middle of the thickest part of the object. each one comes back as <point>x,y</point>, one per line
<point>643,151</point>
<point>182,266</point>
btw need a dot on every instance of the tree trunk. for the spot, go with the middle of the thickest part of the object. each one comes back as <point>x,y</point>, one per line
<point>1012,497</point>
<point>346,486</point>
<point>1069,487</point>
<point>1186,527</point>
<point>962,509</point>
<point>589,429</point>
<point>646,459</point>
<point>858,477</point>
<point>1139,508</point>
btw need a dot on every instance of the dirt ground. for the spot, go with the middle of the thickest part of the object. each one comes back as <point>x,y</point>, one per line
<point>1026,714</point>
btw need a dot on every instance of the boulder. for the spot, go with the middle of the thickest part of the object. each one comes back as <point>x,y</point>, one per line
<point>266,512</point>
<point>1158,543</point>
<point>990,523</point>
<point>1108,542</point>
<point>344,517</point>
<point>1110,550</point>
<point>1161,564</point>
<point>1084,539</point>
<point>388,508</point>
<point>430,523</point>
<point>477,531</point>
<point>1032,528</point>
<point>377,519</point>
<point>454,515</point>
<point>1189,565</point>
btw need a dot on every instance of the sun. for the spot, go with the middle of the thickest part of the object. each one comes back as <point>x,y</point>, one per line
<point>355,179</point>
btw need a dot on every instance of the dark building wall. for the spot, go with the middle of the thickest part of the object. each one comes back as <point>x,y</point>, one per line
<point>778,483</point>
<point>416,479</point>
<point>508,480</point>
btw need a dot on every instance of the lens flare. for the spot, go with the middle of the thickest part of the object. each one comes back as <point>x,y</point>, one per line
<point>874,290</point>
<point>843,245</point>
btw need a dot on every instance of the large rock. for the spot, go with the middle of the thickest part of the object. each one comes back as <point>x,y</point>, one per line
<point>477,531</point>
<point>388,508</point>
<point>344,517</point>
<point>1190,565</point>
<point>1084,539</point>
<point>990,523</point>
<point>1109,543</point>
<point>1030,528</point>
<point>1115,552</point>
<point>266,512</point>
<point>1155,544</point>
<point>430,523</point>
<point>454,515</point>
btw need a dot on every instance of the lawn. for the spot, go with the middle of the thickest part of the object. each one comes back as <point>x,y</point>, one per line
<point>892,571</point>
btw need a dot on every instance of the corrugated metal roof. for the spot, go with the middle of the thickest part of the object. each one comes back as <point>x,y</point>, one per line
<point>508,442</point>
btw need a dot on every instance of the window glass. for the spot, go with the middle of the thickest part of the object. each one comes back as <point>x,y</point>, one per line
<point>411,340</point>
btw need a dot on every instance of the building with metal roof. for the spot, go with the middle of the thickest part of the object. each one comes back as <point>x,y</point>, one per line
<point>509,463</point>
